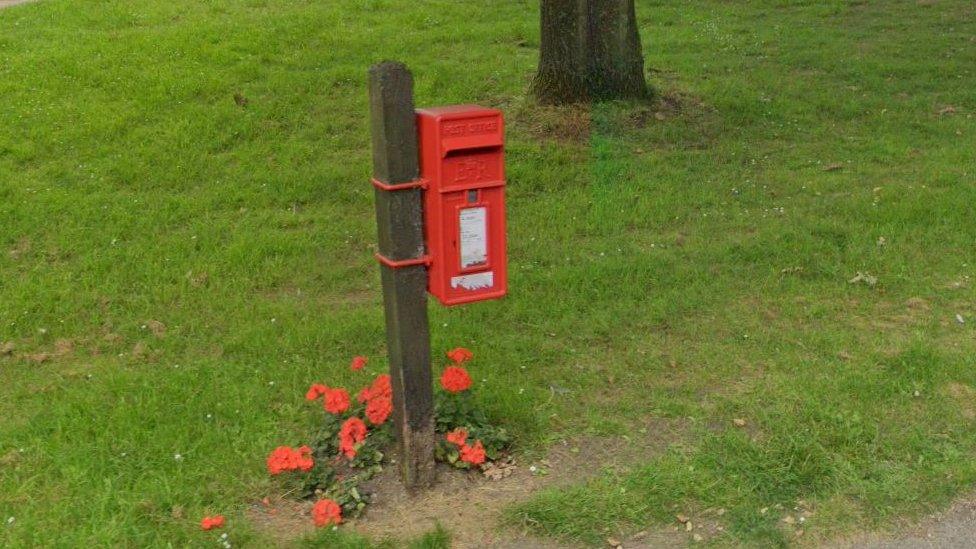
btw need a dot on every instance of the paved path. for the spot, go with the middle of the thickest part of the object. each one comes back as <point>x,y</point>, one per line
<point>954,528</point>
<point>8,3</point>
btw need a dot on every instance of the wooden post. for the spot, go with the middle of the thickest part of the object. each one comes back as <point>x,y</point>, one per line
<point>400,227</point>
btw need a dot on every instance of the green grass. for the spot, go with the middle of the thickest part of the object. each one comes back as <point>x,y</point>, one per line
<point>694,267</point>
<point>439,538</point>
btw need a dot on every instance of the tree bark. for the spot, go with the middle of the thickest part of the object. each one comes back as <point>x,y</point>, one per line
<point>617,62</point>
<point>590,51</point>
<point>563,61</point>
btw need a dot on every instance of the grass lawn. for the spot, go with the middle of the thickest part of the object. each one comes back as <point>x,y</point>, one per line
<point>176,269</point>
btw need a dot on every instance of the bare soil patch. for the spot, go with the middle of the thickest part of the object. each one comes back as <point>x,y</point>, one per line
<point>571,124</point>
<point>964,396</point>
<point>470,506</point>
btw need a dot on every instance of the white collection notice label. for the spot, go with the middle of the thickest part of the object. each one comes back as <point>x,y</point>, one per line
<point>477,281</point>
<point>474,237</point>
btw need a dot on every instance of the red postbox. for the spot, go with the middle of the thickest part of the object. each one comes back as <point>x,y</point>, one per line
<point>463,165</point>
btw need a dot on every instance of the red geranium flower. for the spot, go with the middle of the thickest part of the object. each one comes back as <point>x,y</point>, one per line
<point>459,355</point>
<point>378,409</point>
<point>209,523</point>
<point>305,461</point>
<point>284,458</point>
<point>336,401</point>
<point>278,459</point>
<point>315,391</point>
<point>455,379</point>
<point>475,455</point>
<point>458,437</point>
<point>352,432</point>
<point>381,387</point>
<point>358,362</point>
<point>326,512</point>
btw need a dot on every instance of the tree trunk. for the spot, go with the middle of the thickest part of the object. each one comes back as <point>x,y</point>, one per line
<point>563,60</point>
<point>617,64</point>
<point>590,51</point>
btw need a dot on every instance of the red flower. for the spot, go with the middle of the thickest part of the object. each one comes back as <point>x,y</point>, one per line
<point>336,401</point>
<point>458,437</point>
<point>352,432</point>
<point>475,455</point>
<point>455,379</point>
<point>315,391</point>
<point>378,409</point>
<point>326,512</point>
<point>358,362</point>
<point>381,387</point>
<point>209,523</point>
<point>460,355</point>
<point>305,461</point>
<point>284,458</point>
<point>278,460</point>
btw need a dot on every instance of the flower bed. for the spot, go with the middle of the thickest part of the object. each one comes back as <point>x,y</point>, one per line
<point>350,447</point>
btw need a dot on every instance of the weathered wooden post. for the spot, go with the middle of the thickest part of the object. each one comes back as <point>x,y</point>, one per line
<point>402,255</point>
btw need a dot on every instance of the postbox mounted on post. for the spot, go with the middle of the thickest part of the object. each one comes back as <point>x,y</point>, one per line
<point>462,164</point>
<point>439,176</point>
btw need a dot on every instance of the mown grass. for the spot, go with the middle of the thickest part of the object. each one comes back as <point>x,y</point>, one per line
<point>692,267</point>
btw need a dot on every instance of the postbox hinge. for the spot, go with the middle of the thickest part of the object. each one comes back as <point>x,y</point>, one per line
<point>415,184</point>
<point>424,260</point>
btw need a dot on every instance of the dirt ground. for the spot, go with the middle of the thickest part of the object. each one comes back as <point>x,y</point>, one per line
<point>470,505</point>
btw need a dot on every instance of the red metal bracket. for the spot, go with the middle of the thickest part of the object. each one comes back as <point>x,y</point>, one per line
<point>415,184</point>
<point>424,260</point>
